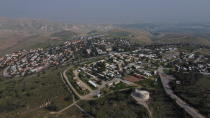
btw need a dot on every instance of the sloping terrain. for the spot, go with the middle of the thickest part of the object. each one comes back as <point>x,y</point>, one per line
<point>137,36</point>
<point>30,25</point>
<point>115,105</point>
<point>176,33</point>
<point>16,42</point>
<point>10,38</point>
<point>64,35</point>
<point>194,89</point>
<point>23,97</point>
<point>17,34</point>
<point>167,38</point>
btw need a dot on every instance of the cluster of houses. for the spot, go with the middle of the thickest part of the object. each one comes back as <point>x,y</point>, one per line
<point>25,62</point>
<point>142,60</point>
<point>193,62</point>
<point>35,60</point>
<point>139,63</point>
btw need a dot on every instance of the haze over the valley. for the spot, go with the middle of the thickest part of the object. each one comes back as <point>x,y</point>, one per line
<point>109,11</point>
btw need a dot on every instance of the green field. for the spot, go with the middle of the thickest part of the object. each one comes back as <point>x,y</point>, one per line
<point>21,97</point>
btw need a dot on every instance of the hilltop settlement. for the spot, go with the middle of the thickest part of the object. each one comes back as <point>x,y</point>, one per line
<point>118,64</point>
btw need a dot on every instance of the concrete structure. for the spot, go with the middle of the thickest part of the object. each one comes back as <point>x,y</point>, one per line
<point>141,94</point>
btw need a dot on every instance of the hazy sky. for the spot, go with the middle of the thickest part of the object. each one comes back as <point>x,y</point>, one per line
<point>109,11</point>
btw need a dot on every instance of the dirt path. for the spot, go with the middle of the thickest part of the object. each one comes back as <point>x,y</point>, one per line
<point>64,109</point>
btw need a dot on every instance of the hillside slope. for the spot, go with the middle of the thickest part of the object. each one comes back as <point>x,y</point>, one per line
<point>137,36</point>
<point>168,38</point>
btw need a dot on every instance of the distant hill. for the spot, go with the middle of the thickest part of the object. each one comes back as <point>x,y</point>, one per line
<point>30,25</point>
<point>137,36</point>
<point>191,33</point>
<point>44,26</point>
<point>166,38</point>
<point>190,28</point>
<point>65,35</point>
<point>17,34</point>
<point>24,33</point>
